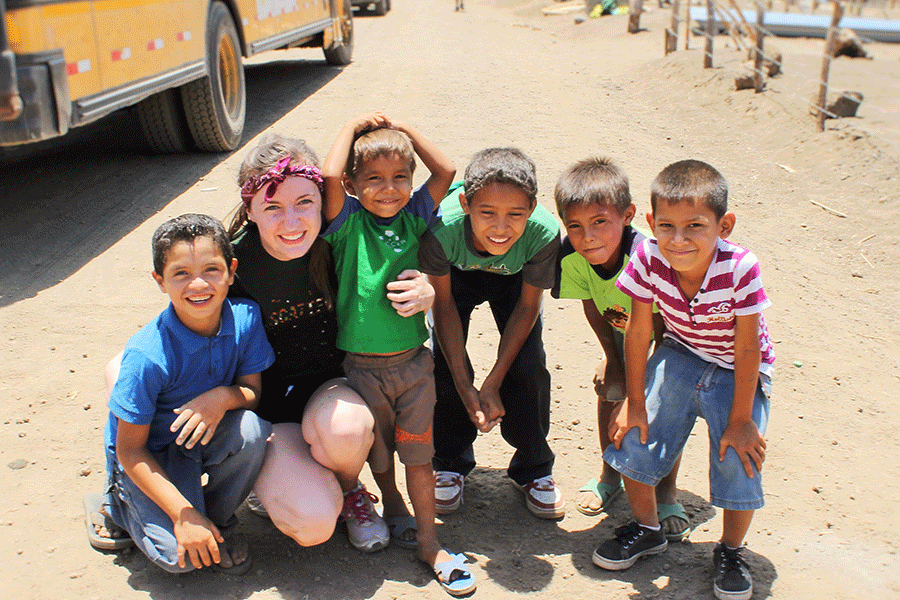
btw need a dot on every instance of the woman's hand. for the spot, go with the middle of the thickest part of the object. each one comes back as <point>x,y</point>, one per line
<point>410,293</point>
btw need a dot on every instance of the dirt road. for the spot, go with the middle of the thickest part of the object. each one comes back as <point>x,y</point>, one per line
<point>74,285</point>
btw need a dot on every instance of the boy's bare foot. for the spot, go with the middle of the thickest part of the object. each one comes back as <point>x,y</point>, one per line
<point>594,497</point>
<point>450,569</point>
<point>103,532</point>
<point>234,556</point>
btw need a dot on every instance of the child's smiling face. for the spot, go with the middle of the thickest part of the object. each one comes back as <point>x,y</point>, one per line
<point>290,220</point>
<point>595,231</point>
<point>687,234</point>
<point>196,278</point>
<point>383,185</point>
<point>499,213</point>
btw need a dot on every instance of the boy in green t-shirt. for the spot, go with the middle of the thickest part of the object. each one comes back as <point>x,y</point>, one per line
<point>375,220</point>
<point>594,202</point>
<point>494,244</point>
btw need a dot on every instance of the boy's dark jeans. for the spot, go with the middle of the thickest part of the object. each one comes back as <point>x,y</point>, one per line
<point>525,391</point>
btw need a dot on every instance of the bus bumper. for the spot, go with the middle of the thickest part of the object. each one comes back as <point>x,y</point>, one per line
<point>34,97</point>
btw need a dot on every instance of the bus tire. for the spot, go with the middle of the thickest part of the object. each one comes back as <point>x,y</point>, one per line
<point>162,122</point>
<point>381,7</point>
<point>215,106</point>
<point>341,51</point>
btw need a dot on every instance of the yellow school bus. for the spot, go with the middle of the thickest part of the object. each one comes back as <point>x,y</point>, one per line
<point>64,63</point>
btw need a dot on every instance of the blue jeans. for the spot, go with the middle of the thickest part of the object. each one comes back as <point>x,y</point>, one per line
<point>525,391</point>
<point>231,459</point>
<point>681,386</point>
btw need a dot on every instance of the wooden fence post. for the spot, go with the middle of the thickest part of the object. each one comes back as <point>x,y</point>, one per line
<point>672,31</point>
<point>826,63</point>
<point>710,18</point>
<point>687,25</point>
<point>634,16</point>
<point>731,27</point>
<point>758,59</point>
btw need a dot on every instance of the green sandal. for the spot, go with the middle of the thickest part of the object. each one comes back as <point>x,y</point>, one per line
<point>674,511</point>
<point>603,491</point>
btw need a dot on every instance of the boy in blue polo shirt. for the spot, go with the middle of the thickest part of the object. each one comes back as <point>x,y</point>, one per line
<point>182,407</point>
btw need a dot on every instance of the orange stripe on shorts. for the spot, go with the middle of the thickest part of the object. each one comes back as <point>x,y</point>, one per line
<point>405,437</point>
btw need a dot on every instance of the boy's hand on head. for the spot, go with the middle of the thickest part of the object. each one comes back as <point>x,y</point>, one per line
<point>629,416</point>
<point>492,407</point>
<point>410,293</point>
<point>749,444</point>
<point>198,539</point>
<point>199,418</point>
<point>374,120</point>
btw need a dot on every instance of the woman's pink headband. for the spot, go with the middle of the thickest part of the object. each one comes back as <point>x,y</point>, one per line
<point>277,174</point>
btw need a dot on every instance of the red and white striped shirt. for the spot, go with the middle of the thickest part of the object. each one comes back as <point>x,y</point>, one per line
<point>705,323</point>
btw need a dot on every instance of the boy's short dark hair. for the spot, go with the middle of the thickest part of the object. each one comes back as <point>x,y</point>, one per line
<point>592,181</point>
<point>691,181</point>
<point>188,228</point>
<point>377,143</point>
<point>501,165</point>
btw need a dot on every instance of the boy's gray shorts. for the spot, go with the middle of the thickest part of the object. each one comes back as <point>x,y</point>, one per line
<point>399,390</point>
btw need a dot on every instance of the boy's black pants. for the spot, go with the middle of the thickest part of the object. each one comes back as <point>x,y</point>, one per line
<point>525,391</point>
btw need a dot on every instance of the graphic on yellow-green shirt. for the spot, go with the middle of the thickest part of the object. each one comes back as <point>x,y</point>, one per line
<point>617,316</point>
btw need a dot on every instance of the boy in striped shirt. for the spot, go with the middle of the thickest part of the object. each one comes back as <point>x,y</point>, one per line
<point>715,362</point>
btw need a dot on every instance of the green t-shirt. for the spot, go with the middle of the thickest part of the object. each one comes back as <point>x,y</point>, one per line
<point>579,279</point>
<point>449,244</point>
<point>368,253</point>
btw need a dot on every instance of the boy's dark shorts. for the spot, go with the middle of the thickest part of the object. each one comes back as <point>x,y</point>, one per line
<point>399,390</point>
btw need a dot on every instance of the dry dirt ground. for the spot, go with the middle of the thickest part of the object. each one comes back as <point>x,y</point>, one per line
<point>78,214</point>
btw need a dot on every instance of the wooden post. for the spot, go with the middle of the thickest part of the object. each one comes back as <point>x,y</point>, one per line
<point>731,27</point>
<point>758,59</point>
<point>672,31</point>
<point>634,16</point>
<point>826,63</point>
<point>813,6</point>
<point>687,25</point>
<point>708,53</point>
<point>740,15</point>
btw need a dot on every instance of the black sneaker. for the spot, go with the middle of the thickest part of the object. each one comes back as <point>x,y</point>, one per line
<point>732,580</point>
<point>631,542</point>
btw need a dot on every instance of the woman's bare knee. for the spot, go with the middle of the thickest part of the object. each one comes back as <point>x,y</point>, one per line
<point>303,498</point>
<point>338,426</point>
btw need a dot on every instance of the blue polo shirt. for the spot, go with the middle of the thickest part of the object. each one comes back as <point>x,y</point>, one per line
<point>166,365</point>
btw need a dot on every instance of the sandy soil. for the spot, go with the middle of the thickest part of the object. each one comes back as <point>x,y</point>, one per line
<point>74,285</point>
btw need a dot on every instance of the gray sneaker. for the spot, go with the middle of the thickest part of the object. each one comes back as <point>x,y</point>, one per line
<point>366,529</point>
<point>631,542</point>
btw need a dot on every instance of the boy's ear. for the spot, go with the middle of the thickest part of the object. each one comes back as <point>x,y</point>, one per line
<point>232,270</point>
<point>348,185</point>
<point>463,202</point>
<point>629,213</point>
<point>159,281</point>
<point>651,223</point>
<point>726,224</point>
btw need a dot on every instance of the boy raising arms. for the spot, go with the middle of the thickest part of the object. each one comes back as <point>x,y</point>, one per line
<point>594,202</point>
<point>182,406</point>
<point>494,244</point>
<point>375,221</point>
<point>715,362</point>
